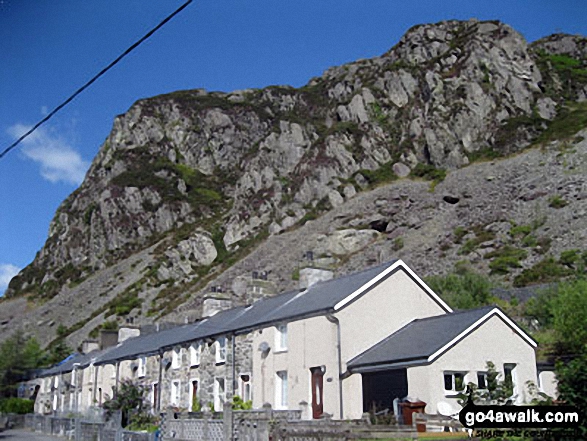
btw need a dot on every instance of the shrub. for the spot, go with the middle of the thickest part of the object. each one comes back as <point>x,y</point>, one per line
<point>462,290</point>
<point>429,172</point>
<point>557,202</point>
<point>546,271</point>
<point>19,406</point>
<point>382,175</point>
<point>505,258</point>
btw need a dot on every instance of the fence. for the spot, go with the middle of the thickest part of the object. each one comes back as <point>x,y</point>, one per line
<point>204,427</point>
<point>79,429</point>
<point>252,425</point>
<point>276,425</point>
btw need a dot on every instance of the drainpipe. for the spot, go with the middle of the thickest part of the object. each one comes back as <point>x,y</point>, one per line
<point>75,380</point>
<point>234,384</point>
<point>333,319</point>
<point>95,389</point>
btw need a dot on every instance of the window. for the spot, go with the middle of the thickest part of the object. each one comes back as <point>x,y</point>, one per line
<point>221,350</point>
<point>281,390</point>
<point>194,402</point>
<point>175,392</point>
<point>454,381</point>
<point>142,369</point>
<point>281,338</point>
<point>176,358</point>
<point>195,353</point>
<point>482,380</point>
<point>245,387</point>
<point>509,374</point>
<point>219,394</point>
<point>154,392</point>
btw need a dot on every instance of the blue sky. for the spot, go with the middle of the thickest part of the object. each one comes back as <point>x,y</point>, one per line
<point>50,48</point>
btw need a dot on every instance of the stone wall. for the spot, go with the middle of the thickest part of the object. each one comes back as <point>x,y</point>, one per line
<point>76,428</point>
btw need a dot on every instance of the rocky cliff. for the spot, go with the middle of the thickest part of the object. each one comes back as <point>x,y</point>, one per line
<point>368,161</point>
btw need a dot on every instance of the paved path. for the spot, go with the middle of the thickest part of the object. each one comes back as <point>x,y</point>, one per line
<point>25,435</point>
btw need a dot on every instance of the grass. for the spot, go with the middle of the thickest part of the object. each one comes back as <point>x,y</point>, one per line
<point>428,172</point>
<point>459,233</point>
<point>383,175</point>
<point>571,118</point>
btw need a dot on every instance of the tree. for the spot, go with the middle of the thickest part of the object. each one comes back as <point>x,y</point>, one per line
<point>497,391</point>
<point>569,311</point>
<point>572,385</point>
<point>18,355</point>
<point>130,401</point>
<point>463,289</point>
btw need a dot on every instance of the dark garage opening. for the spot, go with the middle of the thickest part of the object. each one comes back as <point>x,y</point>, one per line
<point>381,388</point>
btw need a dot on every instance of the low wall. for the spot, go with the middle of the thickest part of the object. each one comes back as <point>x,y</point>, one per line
<point>80,430</point>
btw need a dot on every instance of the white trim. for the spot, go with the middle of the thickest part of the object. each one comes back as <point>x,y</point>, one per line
<point>479,322</point>
<point>383,274</point>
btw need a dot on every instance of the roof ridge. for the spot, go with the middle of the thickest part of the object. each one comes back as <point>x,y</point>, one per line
<point>458,312</point>
<point>344,276</point>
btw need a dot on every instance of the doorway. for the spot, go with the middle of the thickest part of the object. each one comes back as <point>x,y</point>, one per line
<point>317,391</point>
<point>381,388</point>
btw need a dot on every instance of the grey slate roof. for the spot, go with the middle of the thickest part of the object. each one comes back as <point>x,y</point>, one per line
<point>415,342</point>
<point>318,299</point>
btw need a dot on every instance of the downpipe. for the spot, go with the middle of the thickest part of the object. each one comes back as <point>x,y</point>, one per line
<point>333,319</point>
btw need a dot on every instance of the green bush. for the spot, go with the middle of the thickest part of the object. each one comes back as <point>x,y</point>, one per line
<point>505,258</point>
<point>462,290</point>
<point>546,271</point>
<point>19,406</point>
<point>557,202</point>
<point>382,175</point>
<point>428,172</point>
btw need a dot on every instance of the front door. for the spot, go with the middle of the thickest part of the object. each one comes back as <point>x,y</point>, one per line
<point>317,392</point>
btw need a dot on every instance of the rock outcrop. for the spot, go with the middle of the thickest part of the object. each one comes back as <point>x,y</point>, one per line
<point>199,178</point>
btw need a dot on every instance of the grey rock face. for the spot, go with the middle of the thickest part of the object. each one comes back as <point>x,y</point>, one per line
<point>204,175</point>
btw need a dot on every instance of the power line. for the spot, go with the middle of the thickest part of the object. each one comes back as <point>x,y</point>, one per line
<point>94,78</point>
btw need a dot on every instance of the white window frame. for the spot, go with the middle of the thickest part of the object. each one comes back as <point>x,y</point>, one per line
<point>243,384</point>
<point>453,390</point>
<point>219,393</point>
<point>281,390</point>
<point>176,358</point>
<point>152,393</point>
<point>195,354</point>
<point>175,399</point>
<point>514,373</point>
<point>91,373</point>
<point>142,367</point>
<point>220,350</point>
<point>281,338</point>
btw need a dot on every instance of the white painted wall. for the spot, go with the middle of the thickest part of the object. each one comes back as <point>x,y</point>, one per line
<point>548,383</point>
<point>312,342</point>
<point>493,341</point>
